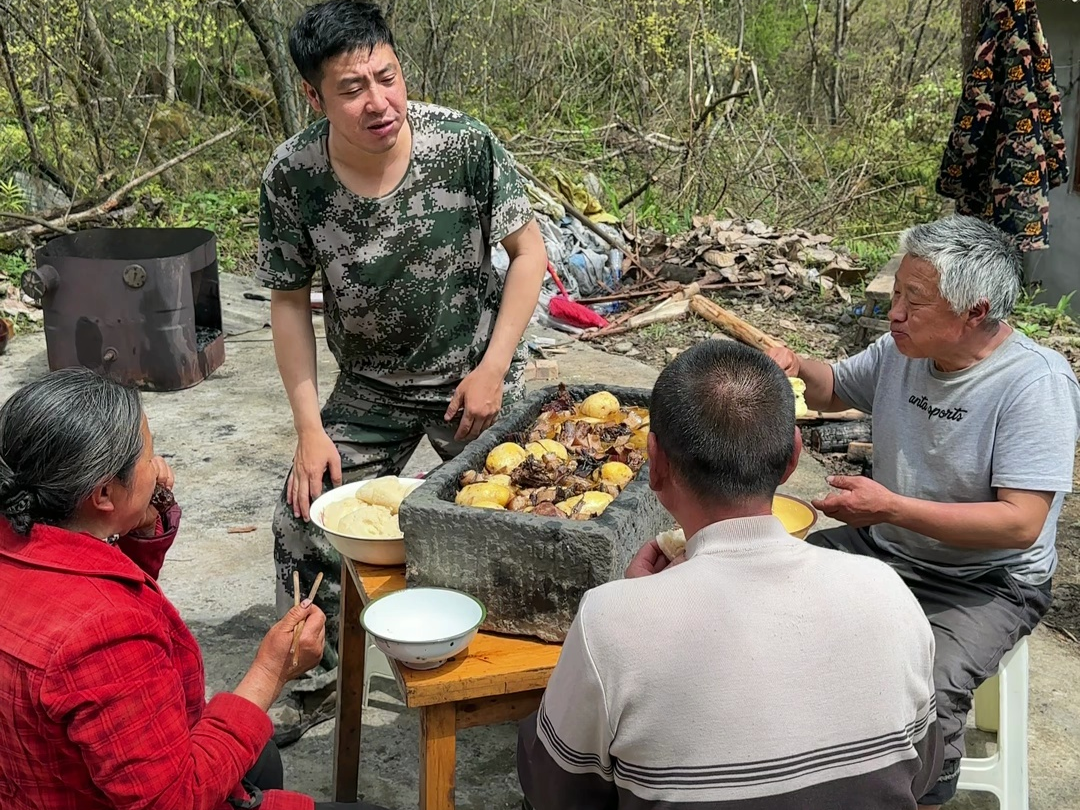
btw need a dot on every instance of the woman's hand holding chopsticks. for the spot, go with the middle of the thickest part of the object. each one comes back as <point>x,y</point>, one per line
<point>274,662</point>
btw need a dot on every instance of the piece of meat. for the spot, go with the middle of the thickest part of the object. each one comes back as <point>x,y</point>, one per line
<point>548,509</point>
<point>518,503</point>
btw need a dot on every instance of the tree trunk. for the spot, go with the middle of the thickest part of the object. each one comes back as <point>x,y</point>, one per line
<point>170,62</point>
<point>971,12</point>
<point>280,79</point>
<point>112,75</point>
<point>839,38</point>
<point>24,119</point>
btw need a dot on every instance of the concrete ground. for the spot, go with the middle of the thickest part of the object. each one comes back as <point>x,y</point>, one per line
<point>230,441</point>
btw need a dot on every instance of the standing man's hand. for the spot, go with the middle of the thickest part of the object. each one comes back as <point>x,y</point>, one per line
<point>478,398</point>
<point>861,501</point>
<point>315,453</point>
<point>786,359</point>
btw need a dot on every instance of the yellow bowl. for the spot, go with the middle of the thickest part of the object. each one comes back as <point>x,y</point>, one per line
<point>797,515</point>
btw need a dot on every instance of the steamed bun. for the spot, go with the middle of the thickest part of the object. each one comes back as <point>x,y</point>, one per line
<point>362,520</point>
<point>672,543</point>
<point>387,492</point>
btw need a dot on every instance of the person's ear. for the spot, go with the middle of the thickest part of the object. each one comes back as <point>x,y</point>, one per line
<point>103,498</point>
<point>794,462</point>
<point>312,94</point>
<point>659,468</point>
<point>978,314</point>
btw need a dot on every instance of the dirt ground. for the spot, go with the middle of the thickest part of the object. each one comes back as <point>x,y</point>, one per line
<point>828,329</point>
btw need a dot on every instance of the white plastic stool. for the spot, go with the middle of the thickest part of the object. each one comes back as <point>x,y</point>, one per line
<point>1005,773</point>
<point>375,665</point>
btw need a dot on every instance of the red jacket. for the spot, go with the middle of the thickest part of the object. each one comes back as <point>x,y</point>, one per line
<point>102,690</point>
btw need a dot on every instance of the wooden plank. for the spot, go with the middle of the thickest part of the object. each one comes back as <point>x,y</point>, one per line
<point>834,437</point>
<point>850,415</point>
<point>732,323</point>
<point>493,664</point>
<point>352,647</point>
<point>876,324</point>
<point>438,757</point>
<point>860,452</point>
<point>499,709</point>
<point>881,287</point>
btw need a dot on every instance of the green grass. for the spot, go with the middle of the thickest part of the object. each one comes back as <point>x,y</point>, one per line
<point>12,267</point>
<point>1039,320</point>
<point>231,214</point>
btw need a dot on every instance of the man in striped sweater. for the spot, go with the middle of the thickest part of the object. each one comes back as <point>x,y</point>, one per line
<point>762,673</point>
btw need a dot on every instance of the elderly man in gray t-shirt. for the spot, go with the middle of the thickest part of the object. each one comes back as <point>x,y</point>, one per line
<point>975,427</point>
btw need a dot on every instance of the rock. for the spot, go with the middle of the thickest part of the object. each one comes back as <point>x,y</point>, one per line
<point>672,352</point>
<point>622,348</point>
<point>720,336</point>
<point>633,353</point>
<point>832,329</point>
<point>678,272</point>
<point>846,320</point>
<point>541,370</point>
<point>530,572</point>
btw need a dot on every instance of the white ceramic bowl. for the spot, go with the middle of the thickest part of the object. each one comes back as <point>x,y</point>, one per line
<point>423,627</point>
<point>370,550</point>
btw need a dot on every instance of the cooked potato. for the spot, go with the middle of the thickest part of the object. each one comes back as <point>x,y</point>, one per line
<point>798,387</point>
<point>592,503</point>
<point>616,473</point>
<point>539,448</point>
<point>506,457</point>
<point>502,480</point>
<point>486,491</point>
<point>639,439</point>
<point>487,505</point>
<point>600,405</point>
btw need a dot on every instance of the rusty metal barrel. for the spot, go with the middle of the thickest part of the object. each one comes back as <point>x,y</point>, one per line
<point>140,305</point>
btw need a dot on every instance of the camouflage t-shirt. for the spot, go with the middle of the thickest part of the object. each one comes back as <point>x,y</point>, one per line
<point>410,296</point>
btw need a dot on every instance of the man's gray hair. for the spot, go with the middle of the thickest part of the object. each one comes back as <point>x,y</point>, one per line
<point>61,437</point>
<point>975,262</point>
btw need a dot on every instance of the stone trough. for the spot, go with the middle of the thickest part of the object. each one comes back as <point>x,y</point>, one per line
<point>529,571</point>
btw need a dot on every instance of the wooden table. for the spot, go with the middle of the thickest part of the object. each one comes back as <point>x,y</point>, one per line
<point>497,679</point>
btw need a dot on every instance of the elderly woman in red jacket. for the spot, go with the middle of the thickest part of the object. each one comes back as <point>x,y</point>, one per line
<point>102,690</point>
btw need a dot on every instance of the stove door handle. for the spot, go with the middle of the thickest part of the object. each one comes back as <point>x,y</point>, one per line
<point>39,282</point>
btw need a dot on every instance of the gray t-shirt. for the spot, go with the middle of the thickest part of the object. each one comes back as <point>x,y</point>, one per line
<point>1009,421</point>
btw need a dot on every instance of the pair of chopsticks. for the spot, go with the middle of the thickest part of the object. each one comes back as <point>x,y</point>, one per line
<point>296,603</point>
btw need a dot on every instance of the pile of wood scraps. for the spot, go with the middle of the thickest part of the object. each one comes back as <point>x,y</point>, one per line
<point>749,252</point>
<point>848,432</point>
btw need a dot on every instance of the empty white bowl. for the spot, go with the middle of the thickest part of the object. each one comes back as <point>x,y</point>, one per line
<point>423,627</point>
<point>370,550</point>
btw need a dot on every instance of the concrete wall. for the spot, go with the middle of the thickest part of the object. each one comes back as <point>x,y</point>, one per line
<point>1058,268</point>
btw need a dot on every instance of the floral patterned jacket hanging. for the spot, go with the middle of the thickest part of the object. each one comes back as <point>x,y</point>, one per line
<point>1006,150</point>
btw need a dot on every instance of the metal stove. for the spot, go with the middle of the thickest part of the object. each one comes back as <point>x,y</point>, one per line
<point>140,305</point>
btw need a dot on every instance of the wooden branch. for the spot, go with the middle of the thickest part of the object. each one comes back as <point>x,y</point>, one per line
<point>44,223</point>
<point>701,119</point>
<point>618,244</point>
<point>860,452</point>
<point>16,237</point>
<point>732,324</point>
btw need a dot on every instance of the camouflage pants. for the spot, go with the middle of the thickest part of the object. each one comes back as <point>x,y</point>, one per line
<point>376,428</point>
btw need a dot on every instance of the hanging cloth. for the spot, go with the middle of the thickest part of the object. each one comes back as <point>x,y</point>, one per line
<point>1006,150</point>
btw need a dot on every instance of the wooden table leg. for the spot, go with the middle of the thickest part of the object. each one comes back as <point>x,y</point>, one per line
<point>352,646</point>
<point>438,756</point>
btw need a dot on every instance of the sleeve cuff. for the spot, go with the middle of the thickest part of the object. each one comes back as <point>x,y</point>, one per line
<point>246,721</point>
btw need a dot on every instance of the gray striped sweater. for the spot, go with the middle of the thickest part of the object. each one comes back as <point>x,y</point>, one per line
<point>762,674</point>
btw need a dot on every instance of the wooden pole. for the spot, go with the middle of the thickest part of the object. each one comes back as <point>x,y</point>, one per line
<point>732,324</point>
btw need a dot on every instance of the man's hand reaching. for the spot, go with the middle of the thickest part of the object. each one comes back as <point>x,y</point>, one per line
<point>315,453</point>
<point>478,398</point>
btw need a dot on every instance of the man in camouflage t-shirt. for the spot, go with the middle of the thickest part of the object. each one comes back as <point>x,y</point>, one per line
<point>397,205</point>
